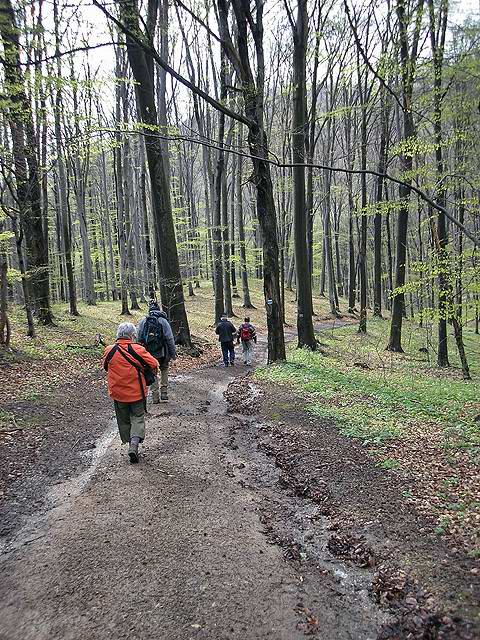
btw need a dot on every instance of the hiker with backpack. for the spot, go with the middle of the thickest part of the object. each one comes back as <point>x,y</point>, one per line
<point>248,336</point>
<point>155,334</point>
<point>226,335</point>
<point>130,369</point>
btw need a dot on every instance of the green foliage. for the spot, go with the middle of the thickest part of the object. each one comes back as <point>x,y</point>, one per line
<point>377,405</point>
<point>5,237</point>
<point>13,275</point>
<point>388,463</point>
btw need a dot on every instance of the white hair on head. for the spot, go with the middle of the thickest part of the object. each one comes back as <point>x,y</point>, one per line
<point>126,330</point>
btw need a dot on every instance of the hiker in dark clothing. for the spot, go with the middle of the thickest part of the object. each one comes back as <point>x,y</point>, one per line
<point>155,334</point>
<point>248,336</point>
<point>226,335</point>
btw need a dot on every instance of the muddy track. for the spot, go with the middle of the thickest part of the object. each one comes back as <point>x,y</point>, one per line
<point>343,525</point>
<point>205,538</point>
<point>175,547</point>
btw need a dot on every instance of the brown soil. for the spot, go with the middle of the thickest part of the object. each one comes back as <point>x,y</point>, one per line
<point>232,527</point>
<point>433,589</point>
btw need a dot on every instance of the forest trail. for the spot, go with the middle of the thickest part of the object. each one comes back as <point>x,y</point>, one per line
<point>173,547</point>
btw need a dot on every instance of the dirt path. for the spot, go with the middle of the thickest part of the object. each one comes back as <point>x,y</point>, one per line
<point>223,531</point>
<point>177,546</point>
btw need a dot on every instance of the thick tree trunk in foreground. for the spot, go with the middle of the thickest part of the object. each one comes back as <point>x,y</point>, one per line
<point>253,91</point>
<point>173,300</point>
<point>306,336</point>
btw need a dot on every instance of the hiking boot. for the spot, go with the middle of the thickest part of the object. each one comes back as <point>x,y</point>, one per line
<point>133,452</point>
<point>163,395</point>
<point>155,399</point>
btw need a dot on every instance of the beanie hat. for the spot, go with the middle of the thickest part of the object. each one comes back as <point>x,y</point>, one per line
<point>153,305</point>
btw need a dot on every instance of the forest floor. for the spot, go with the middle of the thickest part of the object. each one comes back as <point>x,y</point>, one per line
<point>334,495</point>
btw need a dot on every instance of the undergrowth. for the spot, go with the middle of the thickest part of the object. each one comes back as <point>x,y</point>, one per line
<point>414,419</point>
<point>377,396</point>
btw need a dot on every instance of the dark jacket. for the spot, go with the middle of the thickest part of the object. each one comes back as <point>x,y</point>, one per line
<point>226,331</point>
<point>168,351</point>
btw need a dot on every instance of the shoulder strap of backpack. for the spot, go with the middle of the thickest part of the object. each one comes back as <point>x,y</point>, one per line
<point>110,355</point>
<point>137,357</point>
<point>139,371</point>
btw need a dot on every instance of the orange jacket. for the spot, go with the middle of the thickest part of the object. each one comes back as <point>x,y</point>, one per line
<point>123,382</point>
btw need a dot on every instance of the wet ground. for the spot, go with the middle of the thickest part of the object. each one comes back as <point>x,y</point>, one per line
<point>174,547</point>
<point>207,537</point>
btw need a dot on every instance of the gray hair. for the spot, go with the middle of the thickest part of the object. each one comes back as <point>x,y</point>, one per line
<point>126,330</point>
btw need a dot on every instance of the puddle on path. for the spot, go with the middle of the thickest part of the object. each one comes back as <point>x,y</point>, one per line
<point>299,520</point>
<point>218,404</point>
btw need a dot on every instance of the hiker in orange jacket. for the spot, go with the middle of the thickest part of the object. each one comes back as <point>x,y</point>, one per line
<point>125,362</point>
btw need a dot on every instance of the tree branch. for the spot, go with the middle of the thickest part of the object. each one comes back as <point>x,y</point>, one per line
<point>161,62</point>
<point>290,165</point>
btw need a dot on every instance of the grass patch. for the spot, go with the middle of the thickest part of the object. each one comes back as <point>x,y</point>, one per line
<point>388,464</point>
<point>411,415</point>
<point>388,400</point>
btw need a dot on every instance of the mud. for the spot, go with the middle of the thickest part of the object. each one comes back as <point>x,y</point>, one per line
<point>213,535</point>
<point>178,546</point>
<point>365,522</point>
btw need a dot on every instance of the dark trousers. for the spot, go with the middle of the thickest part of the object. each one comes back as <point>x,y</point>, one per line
<point>228,351</point>
<point>130,419</point>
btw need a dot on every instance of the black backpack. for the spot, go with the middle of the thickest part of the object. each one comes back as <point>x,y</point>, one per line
<point>154,337</point>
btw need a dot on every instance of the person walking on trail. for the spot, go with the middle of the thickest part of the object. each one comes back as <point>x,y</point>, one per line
<point>155,334</point>
<point>129,368</point>
<point>248,336</point>
<point>226,335</point>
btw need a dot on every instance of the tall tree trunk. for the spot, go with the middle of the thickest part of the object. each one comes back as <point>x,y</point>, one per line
<point>253,90</point>
<point>217,239</point>
<point>119,185</point>
<point>169,268</point>
<point>408,57</point>
<point>80,171</point>
<point>64,211</point>
<point>233,274</point>
<point>227,284</point>
<point>25,156</point>
<point>306,336</point>
<point>437,40</point>
<point>247,303</point>
<point>377,239</point>
<point>144,219</point>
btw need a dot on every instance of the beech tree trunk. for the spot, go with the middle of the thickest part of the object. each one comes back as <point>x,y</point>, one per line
<point>173,300</point>
<point>408,57</point>
<point>306,336</point>
<point>253,91</point>
<point>25,156</point>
